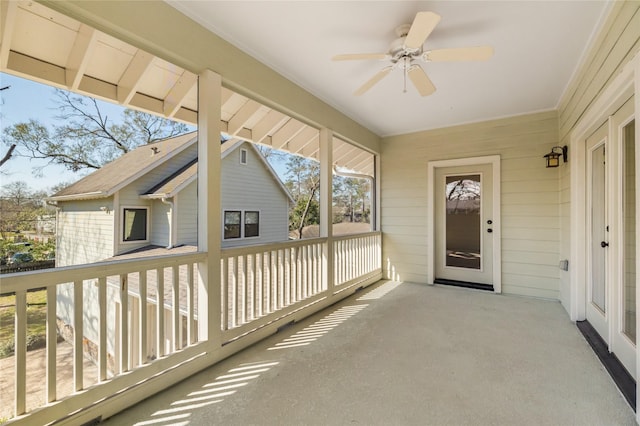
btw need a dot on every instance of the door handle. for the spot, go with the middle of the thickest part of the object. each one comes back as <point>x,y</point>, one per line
<point>604,244</point>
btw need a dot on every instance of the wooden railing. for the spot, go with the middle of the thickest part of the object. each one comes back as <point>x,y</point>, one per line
<point>99,292</point>
<point>260,286</point>
<point>260,281</point>
<point>356,257</point>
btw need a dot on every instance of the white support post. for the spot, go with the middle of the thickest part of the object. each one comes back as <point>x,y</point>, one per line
<point>209,216</point>
<point>326,216</point>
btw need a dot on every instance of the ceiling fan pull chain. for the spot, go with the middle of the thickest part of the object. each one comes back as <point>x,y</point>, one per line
<point>404,72</point>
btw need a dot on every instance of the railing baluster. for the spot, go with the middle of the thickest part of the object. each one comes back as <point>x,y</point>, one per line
<point>224,288</point>
<point>237,320</point>
<point>78,308</point>
<point>143,353</point>
<point>160,312</point>
<point>125,364</point>
<point>175,308</point>
<point>258,277</point>
<point>102,329</point>
<point>274,280</point>
<point>190,299</point>
<point>245,290</point>
<point>52,344</point>
<point>20,340</point>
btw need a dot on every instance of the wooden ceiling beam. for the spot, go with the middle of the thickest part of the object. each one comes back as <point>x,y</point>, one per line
<point>286,133</point>
<point>243,115</point>
<point>176,96</point>
<point>302,139</point>
<point>128,83</point>
<point>80,55</point>
<point>271,122</point>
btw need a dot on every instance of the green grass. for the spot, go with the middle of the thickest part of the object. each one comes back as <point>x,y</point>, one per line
<point>36,321</point>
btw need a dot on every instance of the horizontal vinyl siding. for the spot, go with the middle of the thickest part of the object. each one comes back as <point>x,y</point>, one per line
<point>85,232</point>
<point>617,42</point>
<point>130,197</point>
<point>160,222</point>
<point>253,187</point>
<point>529,196</point>
<point>186,204</point>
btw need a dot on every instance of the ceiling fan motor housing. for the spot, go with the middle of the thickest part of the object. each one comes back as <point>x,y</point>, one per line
<point>399,51</point>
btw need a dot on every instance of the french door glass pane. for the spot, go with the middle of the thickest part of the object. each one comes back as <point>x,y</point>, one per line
<point>598,227</point>
<point>629,199</point>
<point>463,221</point>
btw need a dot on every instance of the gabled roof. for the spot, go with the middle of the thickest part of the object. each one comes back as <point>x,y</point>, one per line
<point>114,176</point>
<point>117,174</point>
<point>179,180</point>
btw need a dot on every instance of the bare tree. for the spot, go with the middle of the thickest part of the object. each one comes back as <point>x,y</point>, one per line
<point>86,138</point>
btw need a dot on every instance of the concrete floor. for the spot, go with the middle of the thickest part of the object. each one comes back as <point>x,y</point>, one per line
<point>405,354</point>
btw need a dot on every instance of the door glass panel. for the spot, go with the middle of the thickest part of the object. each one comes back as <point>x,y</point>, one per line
<point>463,221</point>
<point>629,208</point>
<point>598,227</point>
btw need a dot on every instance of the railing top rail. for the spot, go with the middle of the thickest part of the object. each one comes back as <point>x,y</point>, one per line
<point>10,283</point>
<point>258,248</point>
<point>354,236</point>
<point>261,248</point>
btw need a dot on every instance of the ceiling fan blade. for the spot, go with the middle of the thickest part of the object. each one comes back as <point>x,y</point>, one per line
<point>423,24</point>
<point>373,80</point>
<point>479,53</point>
<point>420,79</point>
<point>359,56</point>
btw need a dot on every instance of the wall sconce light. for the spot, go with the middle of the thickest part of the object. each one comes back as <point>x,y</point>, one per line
<point>553,158</point>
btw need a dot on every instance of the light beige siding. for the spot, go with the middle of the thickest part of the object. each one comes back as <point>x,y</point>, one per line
<point>617,42</point>
<point>87,224</point>
<point>160,223</point>
<point>529,192</point>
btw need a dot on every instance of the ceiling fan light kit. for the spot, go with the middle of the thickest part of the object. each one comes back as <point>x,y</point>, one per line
<point>408,48</point>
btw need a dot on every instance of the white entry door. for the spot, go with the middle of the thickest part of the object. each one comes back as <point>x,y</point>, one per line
<point>611,234</point>
<point>597,232</point>
<point>464,224</point>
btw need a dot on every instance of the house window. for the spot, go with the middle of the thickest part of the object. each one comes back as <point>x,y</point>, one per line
<point>232,224</point>
<point>251,224</point>
<point>241,224</point>
<point>243,156</point>
<point>135,224</point>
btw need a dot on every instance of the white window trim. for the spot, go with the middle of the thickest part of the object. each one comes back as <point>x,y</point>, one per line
<point>242,216</point>
<point>121,225</point>
<point>244,154</point>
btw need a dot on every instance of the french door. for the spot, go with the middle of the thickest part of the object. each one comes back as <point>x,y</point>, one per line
<point>611,234</point>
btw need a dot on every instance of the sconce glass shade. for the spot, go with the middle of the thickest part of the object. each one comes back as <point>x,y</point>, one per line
<point>553,158</point>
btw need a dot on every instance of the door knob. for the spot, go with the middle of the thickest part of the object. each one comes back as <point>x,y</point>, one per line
<point>604,244</point>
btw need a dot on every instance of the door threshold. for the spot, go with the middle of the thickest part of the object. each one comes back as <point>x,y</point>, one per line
<point>465,284</point>
<point>616,370</point>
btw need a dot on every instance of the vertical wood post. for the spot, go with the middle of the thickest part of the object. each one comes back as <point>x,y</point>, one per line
<point>209,216</point>
<point>326,213</point>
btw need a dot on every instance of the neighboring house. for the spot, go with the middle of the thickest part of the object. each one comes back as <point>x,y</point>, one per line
<point>145,203</point>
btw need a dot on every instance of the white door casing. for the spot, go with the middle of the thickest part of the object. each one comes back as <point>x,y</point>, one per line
<point>469,164</point>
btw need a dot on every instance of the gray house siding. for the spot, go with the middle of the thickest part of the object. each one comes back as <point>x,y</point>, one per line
<point>186,207</point>
<point>129,196</point>
<point>252,187</point>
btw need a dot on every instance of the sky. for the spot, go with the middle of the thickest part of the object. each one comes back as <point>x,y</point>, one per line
<point>23,100</point>
<point>26,99</point>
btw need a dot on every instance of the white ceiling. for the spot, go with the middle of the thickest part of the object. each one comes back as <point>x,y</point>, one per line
<point>538,46</point>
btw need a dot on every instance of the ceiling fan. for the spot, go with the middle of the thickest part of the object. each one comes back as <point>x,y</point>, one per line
<point>407,49</point>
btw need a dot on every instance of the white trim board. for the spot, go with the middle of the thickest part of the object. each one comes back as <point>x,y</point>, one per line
<point>494,161</point>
